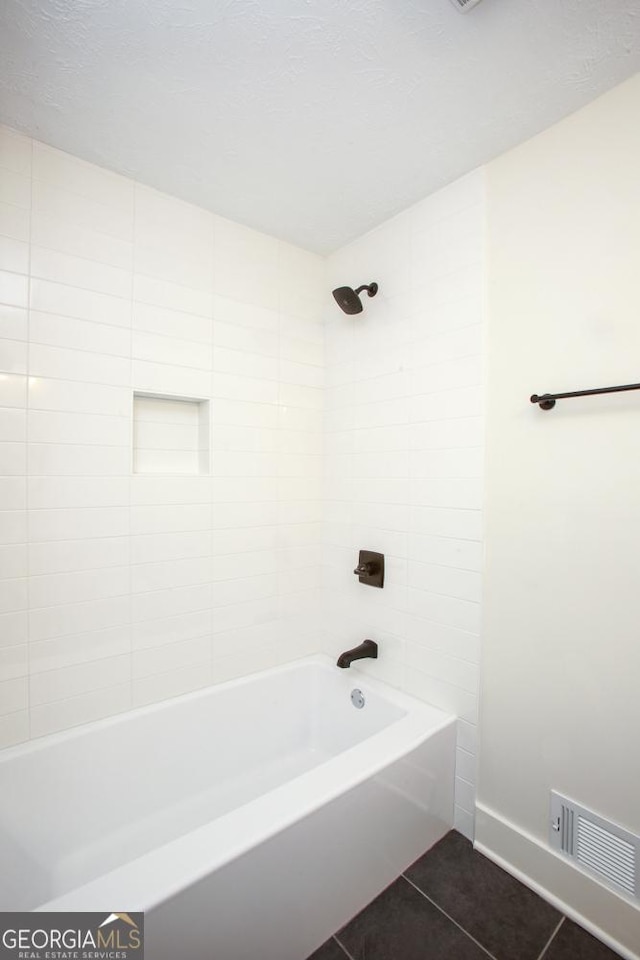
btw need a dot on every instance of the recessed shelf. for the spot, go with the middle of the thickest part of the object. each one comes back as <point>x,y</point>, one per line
<point>170,434</point>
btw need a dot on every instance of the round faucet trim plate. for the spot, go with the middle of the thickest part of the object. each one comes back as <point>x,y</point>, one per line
<point>357,699</point>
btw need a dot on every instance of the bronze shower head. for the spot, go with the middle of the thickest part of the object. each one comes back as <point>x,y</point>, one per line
<point>348,299</point>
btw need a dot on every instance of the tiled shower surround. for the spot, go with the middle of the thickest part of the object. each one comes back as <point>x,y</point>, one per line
<point>404,456</point>
<point>121,587</point>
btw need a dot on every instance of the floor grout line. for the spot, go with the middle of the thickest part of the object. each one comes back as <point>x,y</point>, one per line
<point>551,938</point>
<point>449,917</point>
<point>342,947</point>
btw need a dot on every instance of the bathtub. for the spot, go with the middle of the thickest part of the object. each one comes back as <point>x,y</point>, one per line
<point>247,820</point>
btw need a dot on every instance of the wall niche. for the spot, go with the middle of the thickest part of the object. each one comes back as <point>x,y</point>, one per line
<point>170,435</point>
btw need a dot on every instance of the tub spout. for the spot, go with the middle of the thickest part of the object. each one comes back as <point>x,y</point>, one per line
<point>368,648</point>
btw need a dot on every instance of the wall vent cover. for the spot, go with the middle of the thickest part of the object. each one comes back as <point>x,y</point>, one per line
<point>595,845</point>
<point>464,5</point>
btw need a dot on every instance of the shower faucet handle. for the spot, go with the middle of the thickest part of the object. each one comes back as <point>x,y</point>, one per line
<point>370,569</point>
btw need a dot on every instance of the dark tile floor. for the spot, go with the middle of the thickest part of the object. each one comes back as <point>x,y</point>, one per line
<point>454,904</point>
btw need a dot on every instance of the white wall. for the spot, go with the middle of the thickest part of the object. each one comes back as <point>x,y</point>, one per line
<point>561,656</point>
<point>404,455</point>
<point>121,589</point>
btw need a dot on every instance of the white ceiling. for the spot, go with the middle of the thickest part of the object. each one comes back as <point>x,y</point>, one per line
<point>312,120</point>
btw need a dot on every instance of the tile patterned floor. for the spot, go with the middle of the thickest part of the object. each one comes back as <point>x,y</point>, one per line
<point>455,904</point>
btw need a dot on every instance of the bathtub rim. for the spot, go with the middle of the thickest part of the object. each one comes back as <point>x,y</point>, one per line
<point>403,700</point>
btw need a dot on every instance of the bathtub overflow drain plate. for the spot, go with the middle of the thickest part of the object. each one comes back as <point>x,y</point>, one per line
<point>357,698</point>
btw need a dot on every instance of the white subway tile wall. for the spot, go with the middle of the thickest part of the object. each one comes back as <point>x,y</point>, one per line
<point>404,457</point>
<point>119,589</point>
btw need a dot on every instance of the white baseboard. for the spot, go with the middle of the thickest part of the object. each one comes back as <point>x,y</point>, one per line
<point>611,918</point>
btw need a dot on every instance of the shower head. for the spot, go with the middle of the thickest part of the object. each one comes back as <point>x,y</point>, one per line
<point>348,299</point>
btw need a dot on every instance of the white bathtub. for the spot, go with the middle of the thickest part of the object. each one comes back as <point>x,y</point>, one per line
<point>248,820</point>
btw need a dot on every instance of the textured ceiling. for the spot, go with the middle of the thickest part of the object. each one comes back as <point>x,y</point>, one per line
<point>312,120</point>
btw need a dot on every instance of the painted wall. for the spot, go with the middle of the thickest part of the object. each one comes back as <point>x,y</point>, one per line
<point>561,657</point>
<point>119,589</point>
<point>404,456</point>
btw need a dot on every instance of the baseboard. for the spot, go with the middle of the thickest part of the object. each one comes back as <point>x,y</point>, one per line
<point>611,918</point>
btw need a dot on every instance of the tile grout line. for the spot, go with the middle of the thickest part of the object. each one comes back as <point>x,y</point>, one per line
<point>131,437</point>
<point>27,444</point>
<point>342,947</point>
<point>551,938</point>
<point>449,917</point>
